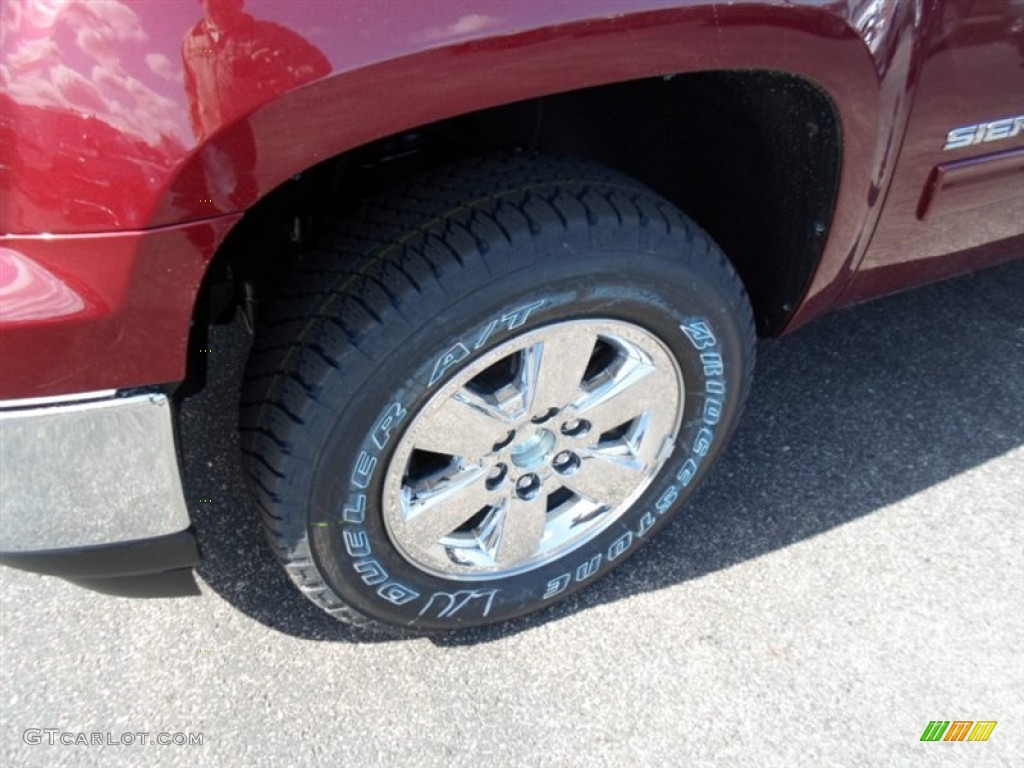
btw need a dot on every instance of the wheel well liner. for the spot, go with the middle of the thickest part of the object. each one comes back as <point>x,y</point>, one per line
<point>753,156</point>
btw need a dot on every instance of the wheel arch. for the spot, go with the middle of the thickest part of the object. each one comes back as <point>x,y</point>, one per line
<point>806,64</point>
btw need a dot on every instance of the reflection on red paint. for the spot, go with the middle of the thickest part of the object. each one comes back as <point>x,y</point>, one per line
<point>235,62</point>
<point>102,102</point>
<point>29,292</point>
<point>85,134</point>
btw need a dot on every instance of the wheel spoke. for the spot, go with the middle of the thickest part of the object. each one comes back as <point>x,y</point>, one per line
<point>522,528</point>
<point>435,514</point>
<point>553,370</point>
<point>629,395</point>
<point>465,426</point>
<point>605,477</point>
<point>647,436</point>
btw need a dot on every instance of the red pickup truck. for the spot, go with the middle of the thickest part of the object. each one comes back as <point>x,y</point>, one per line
<point>504,263</point>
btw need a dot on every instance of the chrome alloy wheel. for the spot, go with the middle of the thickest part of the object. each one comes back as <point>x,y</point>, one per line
<point>533,449</point>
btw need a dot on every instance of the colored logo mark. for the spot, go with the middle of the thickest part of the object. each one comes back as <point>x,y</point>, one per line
<point>958,730</point>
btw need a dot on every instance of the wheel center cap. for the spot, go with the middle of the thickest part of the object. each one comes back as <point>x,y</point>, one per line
<point>534,451</point>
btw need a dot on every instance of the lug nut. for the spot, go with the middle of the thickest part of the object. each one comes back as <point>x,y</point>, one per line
<point>541,418</point>
<point>566,462</point>
<point>496,476</point>
<point>507,439</point>
<point>576,427</point>
<point>528,486</point>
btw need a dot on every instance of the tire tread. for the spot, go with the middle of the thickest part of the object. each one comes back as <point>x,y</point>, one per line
<point>396,248</point>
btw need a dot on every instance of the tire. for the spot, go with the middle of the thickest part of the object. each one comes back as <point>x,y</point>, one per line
<point>400,379</point>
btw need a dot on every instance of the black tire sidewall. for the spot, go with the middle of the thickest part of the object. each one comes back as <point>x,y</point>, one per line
<point>691,305</point>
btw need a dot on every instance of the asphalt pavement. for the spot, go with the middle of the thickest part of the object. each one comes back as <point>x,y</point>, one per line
<point>852,570</point>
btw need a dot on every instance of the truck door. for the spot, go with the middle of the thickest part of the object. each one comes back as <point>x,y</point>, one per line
<point>959,180</point>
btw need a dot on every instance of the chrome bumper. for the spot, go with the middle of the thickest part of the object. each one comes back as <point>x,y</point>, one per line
<point>88,470</point>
